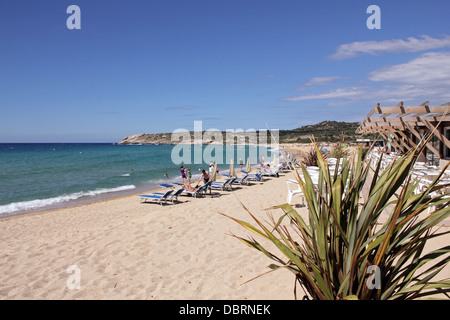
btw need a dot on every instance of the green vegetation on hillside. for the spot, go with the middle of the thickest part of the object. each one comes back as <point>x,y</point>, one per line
<point>325,131</point>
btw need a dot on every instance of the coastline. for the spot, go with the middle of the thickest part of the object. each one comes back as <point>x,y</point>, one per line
<point>85,194</point>
<point>137,190</point>
<point>125,249</point>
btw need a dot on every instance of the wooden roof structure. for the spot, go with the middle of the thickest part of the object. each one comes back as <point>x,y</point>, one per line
<point>404,126</point>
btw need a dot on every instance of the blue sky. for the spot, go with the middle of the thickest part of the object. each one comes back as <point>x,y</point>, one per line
<point>158,65</point>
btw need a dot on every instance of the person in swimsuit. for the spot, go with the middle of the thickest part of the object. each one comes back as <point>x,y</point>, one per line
<point>204,176</point>
<point>188,187</point>
<point>187,184</point>
<point>189,175</point>
<point>183,173</point>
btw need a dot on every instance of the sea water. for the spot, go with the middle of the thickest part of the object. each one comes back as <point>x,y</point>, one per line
<point>41,176</point>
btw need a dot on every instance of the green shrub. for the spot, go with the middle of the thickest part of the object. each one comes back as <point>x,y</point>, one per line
<point>344,248</point>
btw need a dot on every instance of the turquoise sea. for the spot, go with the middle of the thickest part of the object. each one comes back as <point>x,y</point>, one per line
<point>40,176</point>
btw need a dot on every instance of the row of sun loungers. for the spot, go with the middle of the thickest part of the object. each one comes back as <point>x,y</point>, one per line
<point>423,173</point>
<point>275,171</point>
<point>161,197</point>
<point>293,187</point>
<point>172,195</point>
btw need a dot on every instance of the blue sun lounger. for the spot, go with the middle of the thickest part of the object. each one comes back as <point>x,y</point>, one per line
<point>243,180</point>
<point>160,198</point>
<point>200,190</point>
<point>171,185</point>
<point>172,196</point>
<point>221,185</point>
<point>255,176</point>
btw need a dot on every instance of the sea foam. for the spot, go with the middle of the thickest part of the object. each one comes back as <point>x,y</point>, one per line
<point>40,203</point>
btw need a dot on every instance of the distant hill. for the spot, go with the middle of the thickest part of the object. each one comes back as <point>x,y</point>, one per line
<point>325,131</point>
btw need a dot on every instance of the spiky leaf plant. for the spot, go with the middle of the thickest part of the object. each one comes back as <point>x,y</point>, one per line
<point>344,250</point>
<point>339,151</point>
<point>310,158</point>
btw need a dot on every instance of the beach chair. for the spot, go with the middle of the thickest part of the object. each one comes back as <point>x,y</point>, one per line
<point>199,191</point>
<point>177,184</point>
<point>221,185</point>
<point>159,197</point>
<point>293,191</point>
<point>230,184</point>
<point>314,178</point>
<point>193,193</point>
<point>285,167</point>
<point>173,196</point>
<point>207,186</point>
<point>171,185</point>
<point>242,180</point>
<point>269,172</point>
<point>251,176</point>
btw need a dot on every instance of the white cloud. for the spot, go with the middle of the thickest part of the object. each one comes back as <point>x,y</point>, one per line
<point>322,81</point>
<point>353,49</point>
<point>426,77</point>
<point>334,94</point>
<point>428,70</point>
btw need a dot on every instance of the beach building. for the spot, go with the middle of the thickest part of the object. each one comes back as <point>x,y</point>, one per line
<point>403,127</point>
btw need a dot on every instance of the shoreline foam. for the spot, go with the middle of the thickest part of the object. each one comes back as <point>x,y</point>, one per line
<point>86,197</point>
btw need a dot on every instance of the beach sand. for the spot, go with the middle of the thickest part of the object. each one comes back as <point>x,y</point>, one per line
<point>124,249</point>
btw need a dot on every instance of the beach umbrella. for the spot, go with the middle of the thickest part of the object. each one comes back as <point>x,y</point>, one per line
<point>231,168</point>
<point>275,160</point>
<point>213,175</point>
<point>248,167</point>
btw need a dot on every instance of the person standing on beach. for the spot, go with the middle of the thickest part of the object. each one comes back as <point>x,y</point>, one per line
<point>187,184</point>
<point>211,167</point>
<point>189,175</point>
<point>183,173</point>
<point>241,163</point>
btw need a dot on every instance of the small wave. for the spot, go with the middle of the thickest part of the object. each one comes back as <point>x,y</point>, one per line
<point>40,203</point>
<point>125,175</point>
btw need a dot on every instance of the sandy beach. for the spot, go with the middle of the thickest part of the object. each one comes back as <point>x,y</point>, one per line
<point>125,249</point>
<point>128,250</point>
